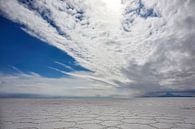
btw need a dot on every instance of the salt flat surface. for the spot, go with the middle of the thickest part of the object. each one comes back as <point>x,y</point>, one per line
<point>141,113</point>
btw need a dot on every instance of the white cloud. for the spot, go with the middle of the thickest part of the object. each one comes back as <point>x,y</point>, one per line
<point>142,46</point>
<point>74,86</point>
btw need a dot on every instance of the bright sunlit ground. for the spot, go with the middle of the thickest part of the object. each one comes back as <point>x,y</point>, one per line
<point>142,113</point>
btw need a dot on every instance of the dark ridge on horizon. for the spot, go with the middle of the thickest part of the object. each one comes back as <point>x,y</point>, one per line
<point>151,94</point>
<point>187,93</point>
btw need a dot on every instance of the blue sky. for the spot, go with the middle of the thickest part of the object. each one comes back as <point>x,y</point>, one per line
<point>20,52</point>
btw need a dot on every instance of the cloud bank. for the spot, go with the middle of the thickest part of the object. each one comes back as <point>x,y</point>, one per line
<point>136,46</point>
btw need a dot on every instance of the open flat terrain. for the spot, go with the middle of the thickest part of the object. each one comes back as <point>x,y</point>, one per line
<point>139,113</point>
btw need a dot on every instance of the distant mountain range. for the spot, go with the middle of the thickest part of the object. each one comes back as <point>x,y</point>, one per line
<point>190,93</point>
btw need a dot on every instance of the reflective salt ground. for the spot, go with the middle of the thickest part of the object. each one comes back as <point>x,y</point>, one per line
<point>140,113</point>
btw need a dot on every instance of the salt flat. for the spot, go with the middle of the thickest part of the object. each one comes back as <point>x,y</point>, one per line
<point>138,113</point>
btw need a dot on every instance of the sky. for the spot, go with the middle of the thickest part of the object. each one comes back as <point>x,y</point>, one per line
<point>107,48</point>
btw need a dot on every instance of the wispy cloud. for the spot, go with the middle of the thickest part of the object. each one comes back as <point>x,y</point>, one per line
<point>36,84</point>
<point>142,46</point>
<point>63,65</point>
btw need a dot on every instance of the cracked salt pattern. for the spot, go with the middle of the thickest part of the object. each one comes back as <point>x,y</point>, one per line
<point>139,113</point>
